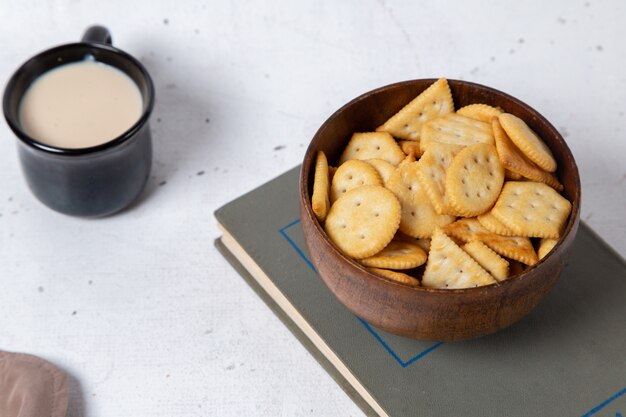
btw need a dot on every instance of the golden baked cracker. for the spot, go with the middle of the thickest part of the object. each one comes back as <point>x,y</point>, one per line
<point>474,180</point>
<point>515,161</point>
<point>372,145</point>
<point>320,200</point>
<point>433,102</point>
<point>396,276</point>
<point>489,222</point>
<point>545,246</point>
<point>482,112</point>
<point>448,266</point>
<point>532,209</point>
<point>514,247</point>
<point>401,253</point>
<point>456,129</point>
<point>410,147</point>
<point>351,174</point>
<point>432,173</point>
<point>493,263</point>
<point>363,221</point>
<point>419,217</point>
<point>527,141</point>
<point>384,168</point>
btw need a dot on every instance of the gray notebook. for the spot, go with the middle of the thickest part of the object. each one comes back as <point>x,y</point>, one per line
<point>567,358</point>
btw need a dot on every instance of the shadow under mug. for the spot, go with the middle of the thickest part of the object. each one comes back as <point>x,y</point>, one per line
<point>94,181</point>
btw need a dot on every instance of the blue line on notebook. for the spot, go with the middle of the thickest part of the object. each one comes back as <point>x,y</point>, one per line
<point>605,403</point>
<point>293,244</point>
<point>404,364</point>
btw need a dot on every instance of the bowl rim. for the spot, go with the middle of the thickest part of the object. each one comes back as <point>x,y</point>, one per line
<point>305,198</point>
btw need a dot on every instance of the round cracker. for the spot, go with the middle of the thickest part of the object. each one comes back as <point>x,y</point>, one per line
<point>400,253</point>
<point>527,141</point>
<point>396,276</point>
<point>363,221</point>
<point>474,180</point>
<point>351,174</point>
<point>372,145</point>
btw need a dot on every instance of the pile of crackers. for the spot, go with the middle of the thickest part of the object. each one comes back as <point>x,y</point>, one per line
<point>443,198</point>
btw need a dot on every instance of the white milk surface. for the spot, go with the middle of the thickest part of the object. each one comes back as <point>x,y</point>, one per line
<point>80,105</point>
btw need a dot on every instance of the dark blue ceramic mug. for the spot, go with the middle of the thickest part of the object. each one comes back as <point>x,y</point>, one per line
<point>94,181</point>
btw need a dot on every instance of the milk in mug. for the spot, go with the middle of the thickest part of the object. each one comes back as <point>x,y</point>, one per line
<point>80,105</point>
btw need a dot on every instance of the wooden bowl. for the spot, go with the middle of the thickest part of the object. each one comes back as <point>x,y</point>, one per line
<point>417,312</point>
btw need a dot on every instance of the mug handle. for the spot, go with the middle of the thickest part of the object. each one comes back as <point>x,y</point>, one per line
<point>97,34</point>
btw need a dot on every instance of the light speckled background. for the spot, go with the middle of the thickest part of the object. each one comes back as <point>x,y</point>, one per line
<point>140,308</point>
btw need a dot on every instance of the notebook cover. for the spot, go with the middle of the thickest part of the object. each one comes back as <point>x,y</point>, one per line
<point>567,358</point>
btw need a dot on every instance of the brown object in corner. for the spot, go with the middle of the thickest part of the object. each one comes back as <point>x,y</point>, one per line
<point>31,386</point>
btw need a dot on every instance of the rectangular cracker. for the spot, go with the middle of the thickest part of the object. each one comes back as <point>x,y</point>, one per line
<point>514,247</point>
<point>433,102</point>
<point>456,129</point>
<point>493,263</point>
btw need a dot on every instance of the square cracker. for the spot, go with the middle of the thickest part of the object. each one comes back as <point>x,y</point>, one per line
<point>513,247</point>
<point>448,266</point>
<point>532,209</point>
<point>433,102</point>
<point>456,129</point>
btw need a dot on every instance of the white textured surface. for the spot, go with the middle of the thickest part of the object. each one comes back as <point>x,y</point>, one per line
<point>140,308</point>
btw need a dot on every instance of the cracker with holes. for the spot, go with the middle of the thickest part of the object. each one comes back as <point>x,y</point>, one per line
<point>372,145</point>
<point>351,174</point>
<point>363,221</point>
<point>419,218</point>
<point>400,253</point>
<point>489,222</point>
<point>474,180</point>
<point>527,141</point>
<point>448,266</point>
<point>320,201</point>
<point>384,168</point>
<point>545,246</point>
<point>513,247</point>
<point>482,112</point>
<point>433,102</point>
<point>456,129</point>
<point>515,161</point>
<point>532,209</point>
<point>493,263</point>
<point>396,276</point>
<point>433,166</point>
